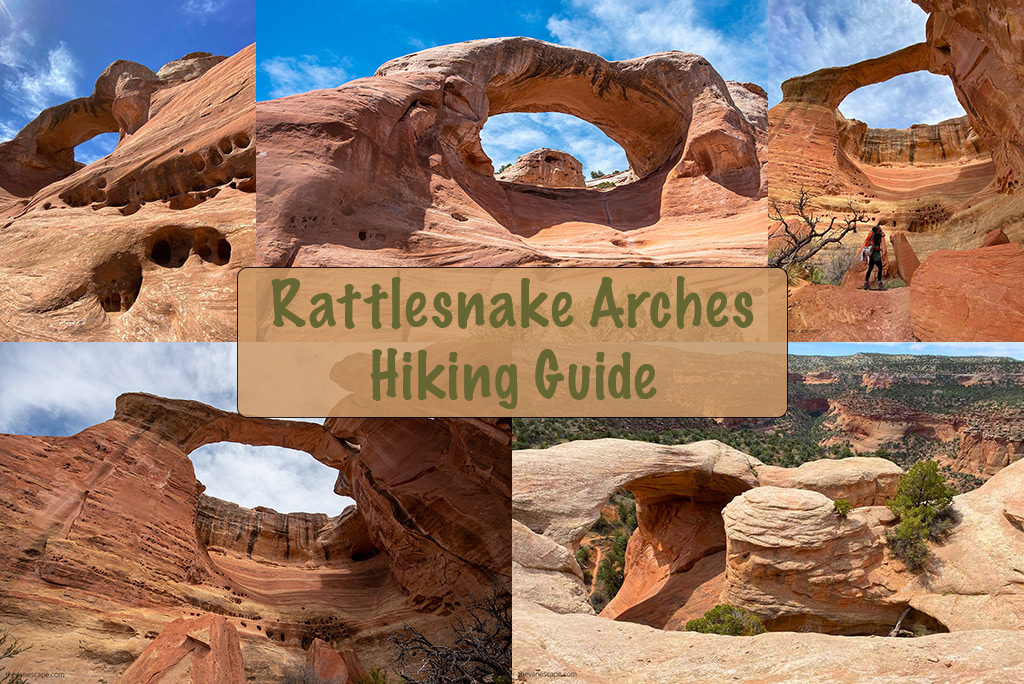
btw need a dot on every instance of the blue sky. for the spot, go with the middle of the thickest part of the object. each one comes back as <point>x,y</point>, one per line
<point>317,45</point>
<point>1004,349</point>
<point>52,51</point>
<point>59,389</point>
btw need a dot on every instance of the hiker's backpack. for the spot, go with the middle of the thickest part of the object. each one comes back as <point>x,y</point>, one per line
<point>876,242</point>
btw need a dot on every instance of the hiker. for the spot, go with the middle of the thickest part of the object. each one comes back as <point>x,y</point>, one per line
<point>874,249</point>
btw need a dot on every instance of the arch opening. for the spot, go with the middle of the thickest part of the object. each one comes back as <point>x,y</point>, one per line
<point>286,480</point>
<point>903,101</point>
<point>96,148</point>
<point>551,149</point>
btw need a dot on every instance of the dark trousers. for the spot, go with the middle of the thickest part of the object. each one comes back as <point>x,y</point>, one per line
<point>875,260</point>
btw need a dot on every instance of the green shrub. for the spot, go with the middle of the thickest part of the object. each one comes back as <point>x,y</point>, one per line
<point>612,571</point>
<point>922,505</point>
<point>907,541</point>
<point>842,507</point>
<point>583,555</point>
<point>923,486</point>
<point>601,526</point>
<point>605,184</point>
<point>728,620</point>
<point>504,166</point>
<point>374,675</point>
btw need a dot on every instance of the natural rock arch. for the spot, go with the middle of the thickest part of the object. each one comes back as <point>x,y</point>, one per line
<point>417,181</point>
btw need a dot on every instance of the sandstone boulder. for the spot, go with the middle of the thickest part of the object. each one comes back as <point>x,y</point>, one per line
<point>547,168</point>
<point>863,481</point>
<point>546,572</point>
<point>200,650</point>
<point>334,667</point>
<point>796,563</point>
<point>906,260</point>
<point>996,236</point>
<point>969,295</point>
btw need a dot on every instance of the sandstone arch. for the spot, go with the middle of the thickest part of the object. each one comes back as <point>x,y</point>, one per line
<point>417,179</point>
<point>44,151</point>
<point>115,514</point>
<point>181,174</point>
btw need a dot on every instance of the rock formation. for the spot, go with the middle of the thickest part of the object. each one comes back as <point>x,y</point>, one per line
<point>948,186</point>
<point>546,168</point>
<point>111,539</point>
<point>158,228</point>
<point>419,190</point>
<point>969,296</point>
<point>788,556</point>
<point>200,650</point>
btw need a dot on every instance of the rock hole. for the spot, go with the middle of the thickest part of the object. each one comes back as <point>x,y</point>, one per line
<point>242,140</point>
<point>225,145</point>
<point>170,247</point>
<point>223,250</point>
<point>117,282</point>
<point>362,235</point>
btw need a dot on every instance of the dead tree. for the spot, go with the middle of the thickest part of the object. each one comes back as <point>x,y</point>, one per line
<point>481,650</point>
<point>809,237</point>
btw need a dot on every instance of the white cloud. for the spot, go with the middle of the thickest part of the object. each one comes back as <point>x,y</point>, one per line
<point>14,44</point>
<point>775,40</point>
<point>61,388</point>
<point>291,75</point>
<point>282,479</point>
<point>8,130</point>
<point>34,88</point>
<point>203,8</point>
<point>622,30</point>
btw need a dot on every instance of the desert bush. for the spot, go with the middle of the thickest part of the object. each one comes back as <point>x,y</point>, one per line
<point>605,184</point>
<point>504,166</point>
<point>10,647</point>
<point>842,507</point>
<point>728,620</point>
<point>480,650</point>
<point>831,269</point>
<point>374,675</point>
<point>304,674</point>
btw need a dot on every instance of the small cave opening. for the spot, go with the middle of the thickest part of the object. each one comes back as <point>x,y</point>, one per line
<point>553,150</point>
<point>212,246</point>
<point>117,283</point>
